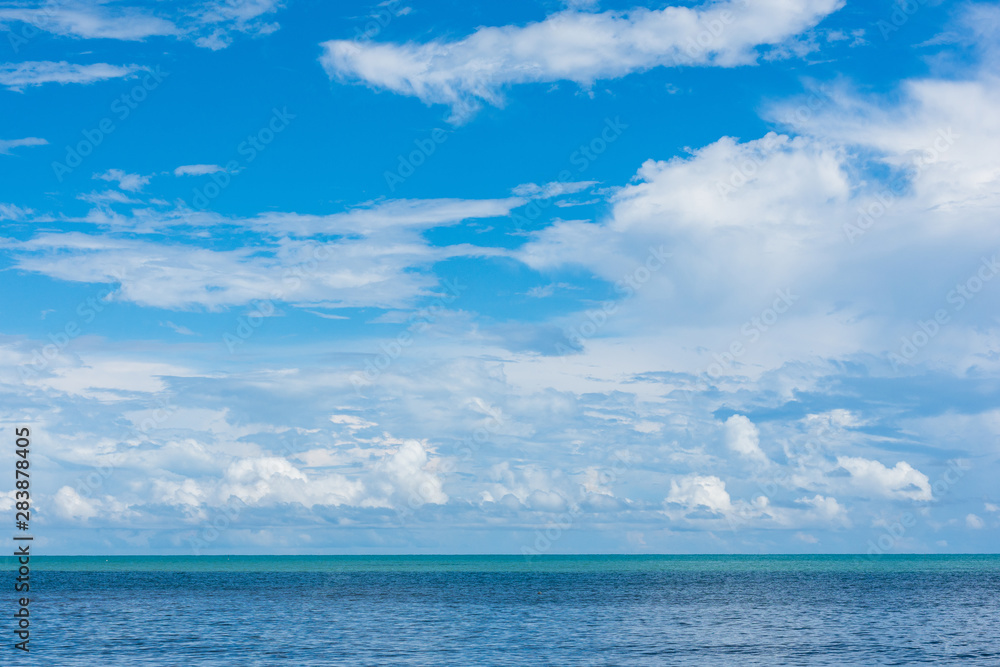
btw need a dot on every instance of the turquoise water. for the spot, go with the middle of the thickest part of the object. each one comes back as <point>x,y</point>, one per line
<point>506,610</point>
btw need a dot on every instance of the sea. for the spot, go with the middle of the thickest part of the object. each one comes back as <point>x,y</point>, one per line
<point>508,610</point>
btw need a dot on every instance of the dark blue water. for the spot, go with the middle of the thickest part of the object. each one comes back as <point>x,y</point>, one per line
<point>588,610</point>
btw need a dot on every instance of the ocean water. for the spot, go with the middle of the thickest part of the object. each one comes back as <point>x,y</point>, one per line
<point>505,610</point>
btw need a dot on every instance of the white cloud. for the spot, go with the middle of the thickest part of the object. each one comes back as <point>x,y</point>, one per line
<point>771,226</point>
<point>777,223</point>
<point>352,421</point>
<point>89,20</point>
<point>223,17</point>
<point>107,197</point>
<point>826,509</point>
<point>373,266</point>
<point>974,522</point>
<point>327,316</point>
<point>409,475</point>
<point>129,182</point>
<point>7,144</point>
<point>700,492</point>
<point>209,23</point>
<point>352,273</point>
<point>398,213</point>
<point>572,45</point>
<point>900,481</point>
<point>743,438</point>
<point>17,76</point>
<point>397,475</point>
<point>108,378</point>
<point>177,328</point>
<point>12,212</point>
<point>7,500</point>
<point>552,189</point>
<point>745,219</point>
<point>529,486</point>
<point>196,169</point>
<point>71,505</point>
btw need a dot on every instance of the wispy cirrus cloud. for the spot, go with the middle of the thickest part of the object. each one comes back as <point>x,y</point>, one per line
<point>571,45</point>
<point>196,169</point>
<point>89,20</point>
<point>7,144</point>
<point>381,259</point>
<point>18,76</point>
<point>210,24</point>
<point>14,212</point>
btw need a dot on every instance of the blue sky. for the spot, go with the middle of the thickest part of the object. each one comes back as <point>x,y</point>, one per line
<point>539,277</point>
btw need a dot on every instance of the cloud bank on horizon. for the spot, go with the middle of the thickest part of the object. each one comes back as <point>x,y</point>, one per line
<point>716,278</point>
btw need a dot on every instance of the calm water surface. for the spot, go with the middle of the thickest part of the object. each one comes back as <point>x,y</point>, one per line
<point>505,610</point>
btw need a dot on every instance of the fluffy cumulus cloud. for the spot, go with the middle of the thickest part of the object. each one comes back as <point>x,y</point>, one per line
<point>700,492</point>
<point>729,211</point>
<point>69,504</point>
<point>800,234</point>
<point>407,476</point>
<point>572,45</point>
<point>743,438</point>
<point>900,481</point>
